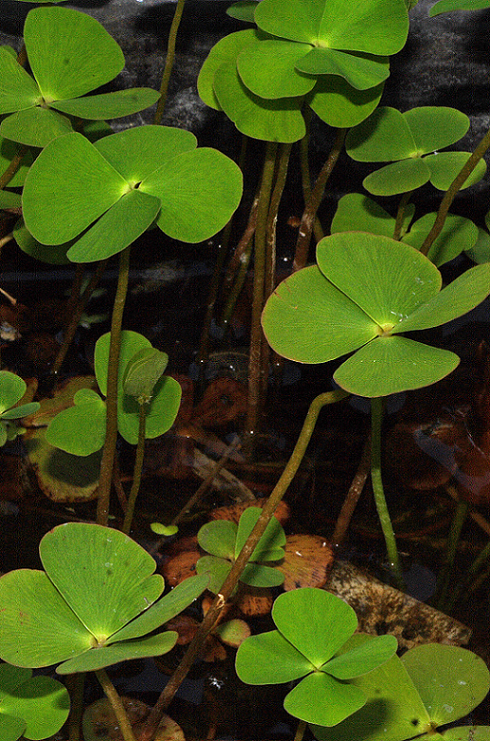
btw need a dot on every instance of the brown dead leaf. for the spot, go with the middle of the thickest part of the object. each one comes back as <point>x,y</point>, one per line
<point>180,567</point>
<point>255,601</point>
<point>100,723</point>
<point>224,400</point>
<point>307,562</point>
<point>235,511</point>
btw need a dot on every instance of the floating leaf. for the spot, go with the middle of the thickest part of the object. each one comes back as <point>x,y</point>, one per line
<point>451,680</point>
<point>373,289</point>
<point>243,10</point>
<point>99,596</point>
<point>312,627</point>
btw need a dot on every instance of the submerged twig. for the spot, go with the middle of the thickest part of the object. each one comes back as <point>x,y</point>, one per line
<point>316,195</point>
<point>231,580</point>
<point>352,498</point>
<point>109,450</point>
<point>169,60</point>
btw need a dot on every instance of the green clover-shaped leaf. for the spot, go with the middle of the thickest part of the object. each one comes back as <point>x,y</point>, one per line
<point>60,45</point>
<point>313,626</point>
<point>12,389</point>
<point>356,212</point>
<point>92,606</point>
<point>33,708</point>
<point>221,87</point>
<point>410,142</point>
<point>264,97</point>
<point>224,540</point>
<point>432,685</point>
<point>353,44</point>
<point>366,291</point>
<point>114,189</point>
<point>81,429</point>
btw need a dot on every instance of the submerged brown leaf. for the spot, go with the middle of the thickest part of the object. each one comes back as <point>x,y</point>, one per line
<point>307,561</point>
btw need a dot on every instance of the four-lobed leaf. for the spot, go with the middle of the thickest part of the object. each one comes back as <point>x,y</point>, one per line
<point>364,292</point>
<point>104,195</point>
<point>92,606</point>
<point>313,627</point>
<point>412,697</point>
<point>224,540</point>
<point>410,141</point>
<point>60,45</point>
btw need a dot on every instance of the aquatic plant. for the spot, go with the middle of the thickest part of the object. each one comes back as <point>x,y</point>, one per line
<point>12,389</point>
<point>224,540</point>
<point>312,627</point>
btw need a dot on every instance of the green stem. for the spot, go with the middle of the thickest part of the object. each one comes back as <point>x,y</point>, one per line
<point>379,496</point>
<point>457,523</point>
<point>169,60</point>
<point>5,240</point>
<point>256,335</point>
<point>138,468</point>
<point>400,215</point>
<point>119,711</point>
<point>300,731</point>
<point>230,582</point>
<point>316,195</point>
<point>14,165</point>
<point>109,452</point>
<point>450,194</point>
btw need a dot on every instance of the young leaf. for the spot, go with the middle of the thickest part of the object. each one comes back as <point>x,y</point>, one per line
<point>143,371</point>
<point>81,429</point>
<point>273,538</point>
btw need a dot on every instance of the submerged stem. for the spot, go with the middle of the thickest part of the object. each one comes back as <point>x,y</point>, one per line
<point>14,165</point>
<point>442,585</point>
<point>450,194</point>
<point>256,335</point>
<point>119,711</point>
<point>379,496</point>
<point>316,195</point>
<point>76,314</point>
<point>400,215</point>
<point>330,397</point>
<point>109,451</point>
<point>169,60</point>
<point>138,468</point>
